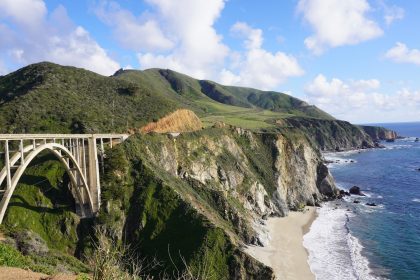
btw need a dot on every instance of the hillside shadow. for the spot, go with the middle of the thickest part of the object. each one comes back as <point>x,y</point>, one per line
<point>59,194</point>
<point>39,209</point>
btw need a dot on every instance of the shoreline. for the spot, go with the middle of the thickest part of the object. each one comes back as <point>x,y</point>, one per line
<point>285,252</point>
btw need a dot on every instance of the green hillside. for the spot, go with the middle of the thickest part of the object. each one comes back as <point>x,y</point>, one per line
<point>48,97</point>
<point>246,107</point>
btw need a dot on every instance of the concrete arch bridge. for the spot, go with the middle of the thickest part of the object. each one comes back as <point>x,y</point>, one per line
<point>80,154</point>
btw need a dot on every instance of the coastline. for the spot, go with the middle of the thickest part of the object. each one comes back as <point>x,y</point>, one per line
<point>285,252</point>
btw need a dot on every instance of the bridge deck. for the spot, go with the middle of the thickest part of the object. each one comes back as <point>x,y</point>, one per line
<point>60,136</point>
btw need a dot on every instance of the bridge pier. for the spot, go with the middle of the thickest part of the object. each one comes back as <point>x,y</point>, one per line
<point>77,152</point>
<point>94,177</point>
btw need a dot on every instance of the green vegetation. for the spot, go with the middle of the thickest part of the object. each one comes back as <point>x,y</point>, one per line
<point>48,264</point>
<point>43,204</point>
<point>9,256</point>
<point>46,97</point>
<point>244,107</point>
<point>158,220</point>
<point>41,219</point>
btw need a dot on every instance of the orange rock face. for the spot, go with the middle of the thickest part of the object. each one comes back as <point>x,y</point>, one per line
<point>179,121</point>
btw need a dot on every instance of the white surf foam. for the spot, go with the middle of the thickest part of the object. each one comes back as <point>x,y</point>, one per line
<point>336,160</point>
<point>397,146</point>
<point>333,252</point>
<point>416,200</point>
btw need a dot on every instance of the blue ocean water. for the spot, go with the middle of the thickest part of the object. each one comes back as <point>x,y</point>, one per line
<point>356,241</point>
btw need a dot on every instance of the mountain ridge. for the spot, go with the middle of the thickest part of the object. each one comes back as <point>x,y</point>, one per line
<point>245,97</point>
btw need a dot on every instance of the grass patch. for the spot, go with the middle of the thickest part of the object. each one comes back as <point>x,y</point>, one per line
<point>48,264</point>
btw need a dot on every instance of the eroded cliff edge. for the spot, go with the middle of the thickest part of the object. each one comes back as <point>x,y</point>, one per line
<point>336,135</point>
<point>205,194</point>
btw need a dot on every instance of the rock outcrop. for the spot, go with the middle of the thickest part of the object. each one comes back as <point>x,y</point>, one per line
<point>329,135</point>
<point>380,133</point>
<point>267,174</point>
<point>356,190</point>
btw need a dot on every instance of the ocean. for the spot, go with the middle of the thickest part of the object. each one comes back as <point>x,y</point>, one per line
<point>354,241</point>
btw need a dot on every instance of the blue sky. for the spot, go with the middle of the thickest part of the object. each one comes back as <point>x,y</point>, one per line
<point>357,59</point>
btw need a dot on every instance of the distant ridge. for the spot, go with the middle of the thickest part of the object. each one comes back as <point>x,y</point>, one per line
<point>193,92</point>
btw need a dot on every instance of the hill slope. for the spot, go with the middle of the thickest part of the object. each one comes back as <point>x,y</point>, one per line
<point>213,101</point>
<point>48,97</point>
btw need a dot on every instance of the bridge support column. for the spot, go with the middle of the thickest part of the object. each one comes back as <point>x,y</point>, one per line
<point>93,181</point>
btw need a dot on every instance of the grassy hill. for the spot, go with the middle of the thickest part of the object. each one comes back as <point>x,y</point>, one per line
<point>48,97</point>
<point>239,106</point>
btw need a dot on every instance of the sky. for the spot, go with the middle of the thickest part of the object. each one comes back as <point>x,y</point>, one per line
<point>356,59</point>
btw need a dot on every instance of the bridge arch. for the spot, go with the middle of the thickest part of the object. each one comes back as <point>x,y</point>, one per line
<point>65,156</point>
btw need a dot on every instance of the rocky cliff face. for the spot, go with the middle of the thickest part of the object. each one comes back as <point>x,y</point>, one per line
<point>226,180</point>
<point>269,174</point>
<point>197,198</point>
<point>330,135</point>
<point>379,133</point>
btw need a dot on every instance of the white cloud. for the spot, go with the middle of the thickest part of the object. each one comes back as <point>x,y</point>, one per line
<point>410,98</point>
<point>257,67</point>
<point>337,23</point>
<point>402,54</point>
<point>136,33</point>
<point>359,100</point>
<point>28,13</point>
<point>365,85</point>
<point>391,13</point>
<point>198,49</point>
<point>183,38</point>
<point>33,36</point>
<point>253,37</point>
<point>79,45</point>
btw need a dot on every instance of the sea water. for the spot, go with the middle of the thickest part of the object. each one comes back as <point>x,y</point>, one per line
<point>354,241</point>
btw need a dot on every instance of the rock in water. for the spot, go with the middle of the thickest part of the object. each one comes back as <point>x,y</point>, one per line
<point>356,190</point>
<point>371,204</point>
<point>344,193</point>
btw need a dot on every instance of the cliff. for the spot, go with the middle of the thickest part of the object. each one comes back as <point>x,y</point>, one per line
<point>379,133</point>
<point>205,194</point>
<point>329,135</point>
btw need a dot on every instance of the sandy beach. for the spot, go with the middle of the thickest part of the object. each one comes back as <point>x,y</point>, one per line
<point>285,252</point>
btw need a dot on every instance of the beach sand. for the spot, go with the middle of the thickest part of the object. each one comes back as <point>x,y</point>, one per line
<point>285,252</point>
